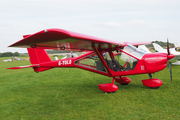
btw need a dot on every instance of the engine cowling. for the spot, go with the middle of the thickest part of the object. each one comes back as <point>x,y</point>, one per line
<point>155,61</point>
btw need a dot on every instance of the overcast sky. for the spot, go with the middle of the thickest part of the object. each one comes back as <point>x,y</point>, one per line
<point>117,20</point>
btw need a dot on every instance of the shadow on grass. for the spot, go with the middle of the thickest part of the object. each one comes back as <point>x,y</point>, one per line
<point>93,87</point>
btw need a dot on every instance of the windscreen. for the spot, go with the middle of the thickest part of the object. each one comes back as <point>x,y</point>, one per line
<point>136,52</point>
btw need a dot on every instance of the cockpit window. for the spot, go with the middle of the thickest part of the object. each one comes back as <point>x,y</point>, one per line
<point>91,61</point>
<point>136,52</point>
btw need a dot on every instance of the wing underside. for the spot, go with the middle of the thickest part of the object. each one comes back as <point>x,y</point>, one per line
<point>59,39</point>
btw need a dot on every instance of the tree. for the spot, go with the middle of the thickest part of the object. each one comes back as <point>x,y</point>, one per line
<point>16,54</point>
<point>9,54</point>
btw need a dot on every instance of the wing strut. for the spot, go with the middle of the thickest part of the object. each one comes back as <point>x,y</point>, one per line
<point>102,59</point>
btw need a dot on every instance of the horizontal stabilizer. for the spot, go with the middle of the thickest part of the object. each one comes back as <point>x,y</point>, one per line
<point>20,67</point>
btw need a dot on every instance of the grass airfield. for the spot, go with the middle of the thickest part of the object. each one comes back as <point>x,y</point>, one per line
<point>63,93</point>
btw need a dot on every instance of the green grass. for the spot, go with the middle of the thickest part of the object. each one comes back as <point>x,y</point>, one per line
<point>63,93</point>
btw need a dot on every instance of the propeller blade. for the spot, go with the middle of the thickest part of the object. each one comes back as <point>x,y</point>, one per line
<point>169,62</point>
<point>168,47</point>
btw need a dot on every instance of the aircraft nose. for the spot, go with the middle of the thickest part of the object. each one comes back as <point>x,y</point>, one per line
<point>171,56</point>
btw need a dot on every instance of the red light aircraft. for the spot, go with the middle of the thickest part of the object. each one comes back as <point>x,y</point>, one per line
<point>101,56</point>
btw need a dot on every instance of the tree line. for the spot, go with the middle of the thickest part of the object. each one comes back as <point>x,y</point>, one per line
<point>162,44</point>
<point>56,51</point>
<point>9,54</point>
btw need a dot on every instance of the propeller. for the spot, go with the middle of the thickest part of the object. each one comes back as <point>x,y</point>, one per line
<point>168,57</point>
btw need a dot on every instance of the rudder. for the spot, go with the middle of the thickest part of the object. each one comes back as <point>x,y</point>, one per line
<point>38,56</point>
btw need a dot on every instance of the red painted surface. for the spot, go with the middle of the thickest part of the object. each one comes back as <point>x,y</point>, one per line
<point>102,59</point>
<point>152,82</point>
<point>171,56</point>
<point>20,67</point>
<point>38,56</point>
<point>66,40</point>
<point>123,80</point>
<point>59,38</point>
<point>150,63</point>
<point>109,87</point>
<point>41,69</point>
<point>155,61</point>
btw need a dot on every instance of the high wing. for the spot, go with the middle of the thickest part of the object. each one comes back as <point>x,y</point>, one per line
<point>60,39</point>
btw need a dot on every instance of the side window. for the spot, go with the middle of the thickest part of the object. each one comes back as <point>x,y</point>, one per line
<point>123,62</point>
<point>108,60</point>
<point>116,62</point>
<point>130,62</point>
<point>91,61</point>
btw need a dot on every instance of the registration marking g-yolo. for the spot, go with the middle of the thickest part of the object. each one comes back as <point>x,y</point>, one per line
<point>65,62</point>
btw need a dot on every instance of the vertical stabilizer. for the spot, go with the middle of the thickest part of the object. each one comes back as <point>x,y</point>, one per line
<point>38,56</point>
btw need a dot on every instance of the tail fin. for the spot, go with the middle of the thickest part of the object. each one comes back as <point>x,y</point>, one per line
<point>38,56</point>
<point>157,47</point>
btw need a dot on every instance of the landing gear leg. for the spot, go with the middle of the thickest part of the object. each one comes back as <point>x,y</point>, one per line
<point>150,75</point>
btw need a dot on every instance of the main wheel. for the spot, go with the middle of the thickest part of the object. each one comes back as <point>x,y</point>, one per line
<point>123,80</point>
<point>154,87</point>
<point>110,92</point>
<point>124,83</point>
<point>153,83</point>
